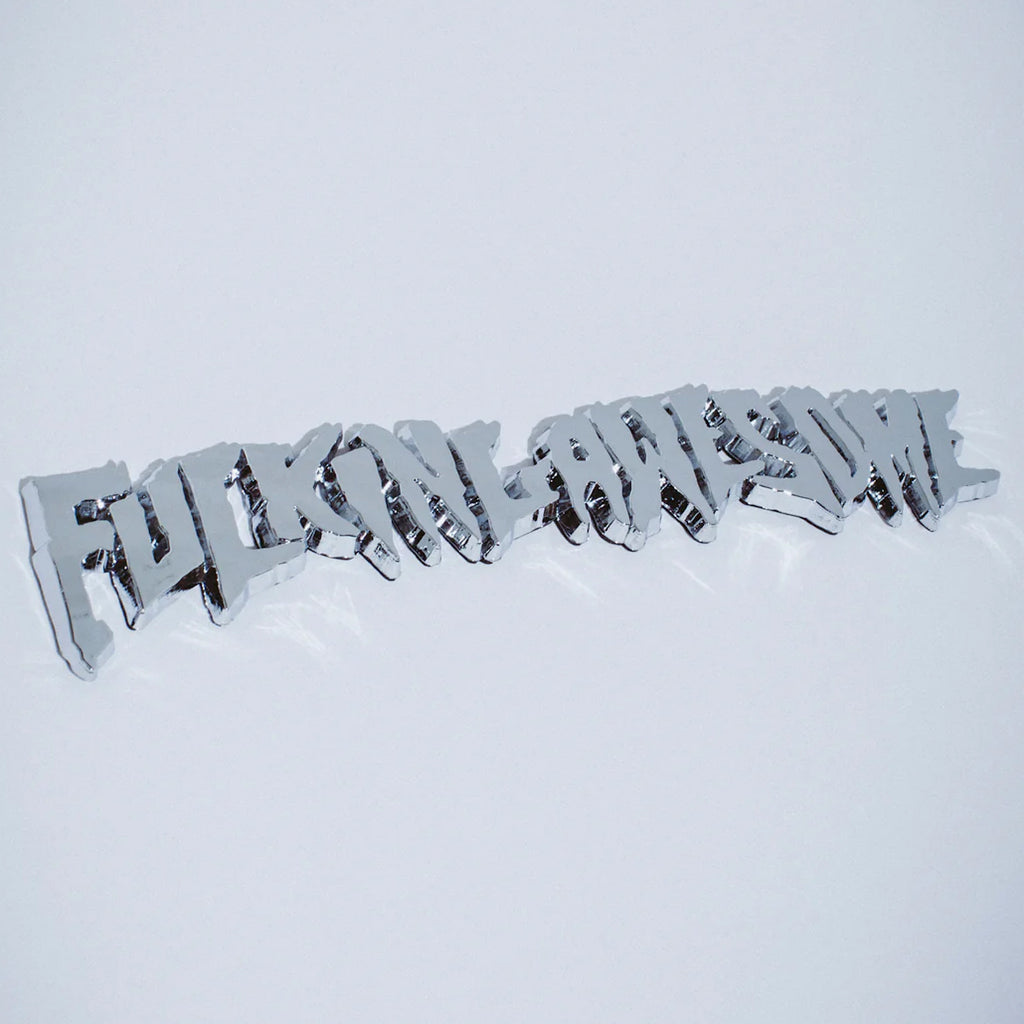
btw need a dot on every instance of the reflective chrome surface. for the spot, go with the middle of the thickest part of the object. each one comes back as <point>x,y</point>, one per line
<point>233,519</point>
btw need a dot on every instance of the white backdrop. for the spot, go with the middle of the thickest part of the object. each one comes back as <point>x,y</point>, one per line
<point>776,778</point>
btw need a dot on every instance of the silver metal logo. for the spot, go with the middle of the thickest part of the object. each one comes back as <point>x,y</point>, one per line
<point>234,518</point>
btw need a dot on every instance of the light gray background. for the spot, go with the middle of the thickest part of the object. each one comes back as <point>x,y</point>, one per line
<point>778,778</point>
